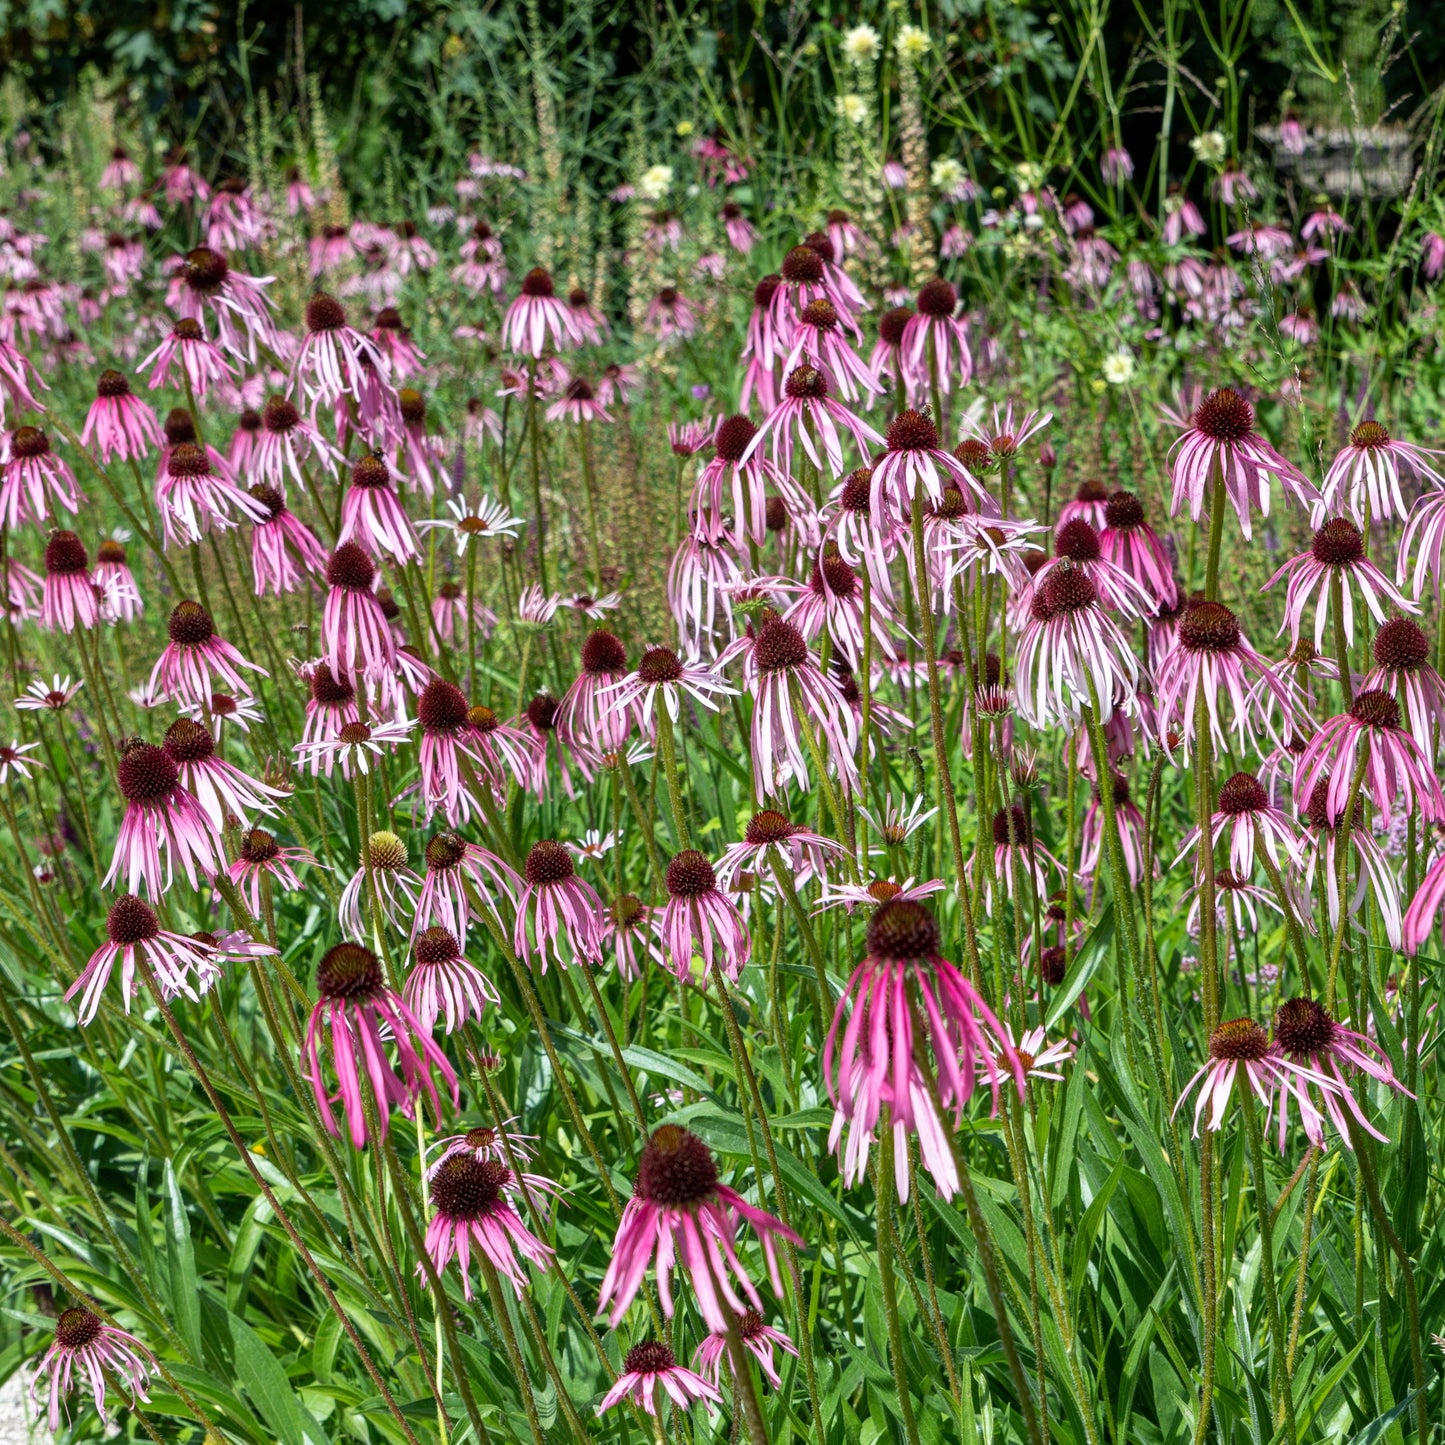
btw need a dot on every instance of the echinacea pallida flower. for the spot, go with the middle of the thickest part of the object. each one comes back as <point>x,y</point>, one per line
<point>1337,553</point>
<point>1403,669</point>
<point>1240,1048</point>
<point>119,423</point>
<point>680,1212</point>
<point>461,879</point>
<point>1246,813</point>
<point>537,317</point>
<point>164,826</point>
<point>133,933</point>
<point>1396,771</point>
<point>700,918</point>
<point>355,634</point>
<point>902,1003</point>
<point>33,479</point>
<point>1364,479</point>
<point>1305,1033</point>
<point>1221,440</point>
<point>558,906</point>
<point>758,1338</point>
<point>85,1345</point>
<point>69,598</point>
<point>586,720</point>
<point>197,660</point>
<point>443,985</point>
<point>472,1211</point>
<point>353,1008</point>
<point>650,1367</point>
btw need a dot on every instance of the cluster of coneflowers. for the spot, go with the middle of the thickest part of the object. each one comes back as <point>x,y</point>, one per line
<point>855,565</point>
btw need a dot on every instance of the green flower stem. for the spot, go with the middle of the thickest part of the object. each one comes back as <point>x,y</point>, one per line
<point>887,1244</point>
<point>1280,1388</point>
<point>667,748</point>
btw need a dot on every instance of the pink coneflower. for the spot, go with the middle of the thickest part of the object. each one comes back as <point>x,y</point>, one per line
<point>886,358</point>
<point>357,746</point>
<point>1424,906</point>
<point>578,403</point>
<point>35,480</point>
<point>461,878</point>
<point>699,918</point>
<point>443,984</point>
<point>383,867</point>
<point>741,233</point>
<point>372,515</point>
<point>670,314</point>
<point>763,346</point>
<point>680,1212</point>
<point>1252,821</point>
<point>286,443</point>
<point>1116,166</point>
<point>808,275</point>
<point>395,340</point>
<point>1221,435</point>
<point>586,719</point>
<point>1364,479</point>
<point>69,599</point>
<point>1072,654</point>
<point>133,935</point>
<point>330,249</point>
<point>101,1352</point>
<point>537,315</point>
<point>120,423</point>
<point>55,698</point>
<point>651,1366</point>
<point>809,417</point>
<point>472,1211</point>
<point>1131,833</point>
<point>279,543</point>
<point>1090,502</point>
<point>201,361</point>
<point>502,748</point>
<point>1329,1055</point>
<point>233,220</point>
<point>1396,769</point>
<point>330,706</point>
<point>1240,1045</point>
<point>863,539</point>
<point>915,462</point>
<point>355,1008</point>
<point>1232,185</point>
<point>237,303</point>
<point>241,454</point>
<point>770,837</point>
<point>1337,553</point>
<point>195,656</point>
<point>818,340</point>
<point>333,357</point>
<point>1130,543</point>
<point>1212,659</point>
<point>688,438</point>
<point>446,735</point>
<point>934,349</point>
<point>1402,668</point>
<point>194,495</point>
<point>662,675</point>
<point>120,599</point>
<point>832,601</point>
<point>221,788</point>
<point>1078,548</point>
<point>17,378</point>
<point>871,1061</point>
<point>1014,841</point>
<point>741,475</point>
<point>1375,875</point>
<point>260,857</point>
<point>161,817</point>
<point>355,634</point>
<point>785,680</point>
<point>560,906</point>
<point>758,1337</point>
<point>14,760</point>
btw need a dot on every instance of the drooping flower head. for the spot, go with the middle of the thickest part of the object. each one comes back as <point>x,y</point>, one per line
<point>358,1013</point>
<point>538,316</point>
<point>700,918</point>
<point>1306,1034</point>
<point>472,1210</point>
<point>559,906</point>
<point>904,1002</point>
<point>443,984</point>
<point>197,660</point>
<point>69,598</point>
<point>1221,439</point>
<point>86,1352</point>
<point>650,1368</point>
<point>934,349</point>
<point>681,1212</point>
<point>1364,479</point>
<point>164,826</point>
<point>354,630</point>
